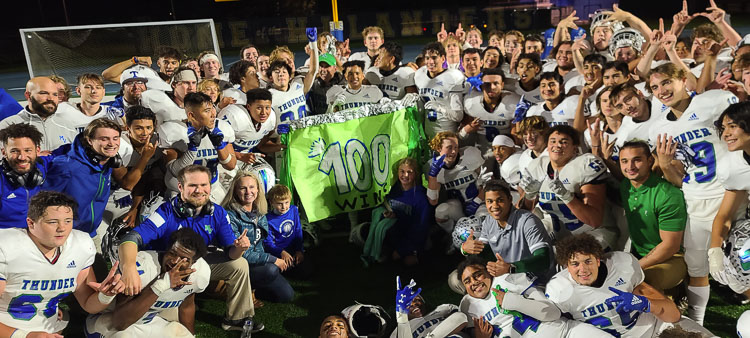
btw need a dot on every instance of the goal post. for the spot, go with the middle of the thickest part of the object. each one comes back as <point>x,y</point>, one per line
<point>68,51</point>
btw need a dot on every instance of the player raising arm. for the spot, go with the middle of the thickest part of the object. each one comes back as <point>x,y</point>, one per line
<point>43,264</point>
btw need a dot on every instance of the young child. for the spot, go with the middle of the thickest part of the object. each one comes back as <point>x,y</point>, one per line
<point>284,227</point>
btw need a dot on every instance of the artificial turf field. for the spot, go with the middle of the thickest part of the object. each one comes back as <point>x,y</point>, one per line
<point>340,280</point>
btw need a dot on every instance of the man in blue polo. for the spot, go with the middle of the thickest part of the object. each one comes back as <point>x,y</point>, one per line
<point>193,209</point>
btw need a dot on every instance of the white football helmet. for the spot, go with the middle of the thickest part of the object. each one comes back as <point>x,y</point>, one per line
<point>366,320</point>
<point>463,228</point>
<point>626,37</point>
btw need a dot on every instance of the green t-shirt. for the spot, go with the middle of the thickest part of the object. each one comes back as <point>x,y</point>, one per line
<point>655,205</point>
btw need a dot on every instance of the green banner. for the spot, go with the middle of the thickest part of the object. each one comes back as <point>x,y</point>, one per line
<point>345,163</point>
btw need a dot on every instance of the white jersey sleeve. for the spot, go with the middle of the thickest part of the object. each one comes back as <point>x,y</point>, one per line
<point>34,286</point>
<point>149,268</point>
<point>173,134</point>
<point>163,106</point>
<point>588,304</point>
<point>246,134</point>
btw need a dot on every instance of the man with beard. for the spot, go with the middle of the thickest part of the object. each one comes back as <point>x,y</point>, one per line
<point>328,76</point>
<point>193,209</point>
<point>490,111</point>
<point>22,172</point>
<point>83,170</point>
<point>40,113</point>
<point>415,321</point>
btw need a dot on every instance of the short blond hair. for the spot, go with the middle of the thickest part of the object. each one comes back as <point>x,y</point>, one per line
<point>279,192</point>
<point>61,80</point>
<point>517,34</point>
<point>437,142</point>
<point>372,29</point>
<point>530,123</point>
<point>276,54</point>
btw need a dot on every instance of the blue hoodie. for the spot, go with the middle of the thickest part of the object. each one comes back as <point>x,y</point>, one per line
<point>74,173</point>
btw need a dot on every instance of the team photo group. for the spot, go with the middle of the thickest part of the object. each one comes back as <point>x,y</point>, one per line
<point>595,180</point>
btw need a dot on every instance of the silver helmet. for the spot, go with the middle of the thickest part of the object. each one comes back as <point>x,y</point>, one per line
<point>626,37</point>
<point>598,20</point>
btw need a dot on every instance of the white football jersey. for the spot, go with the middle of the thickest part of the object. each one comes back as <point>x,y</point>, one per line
<point>441,88</point>
<point>734,174</point>
<point>75,119</point>
<point>149,268</point>
<point>508,325</point>
<point>173,134</point>
<point>291,104</point>
<point>361,56</point>
<point>532,96</point>
<point>526,157</point>
<point>163,106</point>
<point>394,84</point>
<point>423,326</point>
<point>588,304</point>
<point>460,182</point>
<point>695,128</point>
<point>564,113</point>
<point>581,170</point>
<point>34,286</point>
<point>246,134</point>
<point>54,131</point>
<point>497,122</point>
<point>354,98</point>
<point>630,131</point>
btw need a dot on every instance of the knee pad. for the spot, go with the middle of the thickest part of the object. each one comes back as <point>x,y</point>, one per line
<point>697,262</point>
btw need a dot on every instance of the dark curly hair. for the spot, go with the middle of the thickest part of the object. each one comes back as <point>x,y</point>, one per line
<point>238,70</point>
<point>472,260</point>
<point>739,113</point>
<point>586,244</point>
<point>20,130</point>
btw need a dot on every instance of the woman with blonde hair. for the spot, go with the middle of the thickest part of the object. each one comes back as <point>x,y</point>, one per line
<point>247,207</point>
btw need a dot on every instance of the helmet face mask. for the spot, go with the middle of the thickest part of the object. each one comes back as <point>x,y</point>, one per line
<point>463,228</point>
<point>598,20</point>
<point>366,320</point>
<point>626,37</point>
<point>737,252</point>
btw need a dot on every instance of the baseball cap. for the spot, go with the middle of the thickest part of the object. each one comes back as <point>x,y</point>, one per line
<point>327,58</point>
<point>145,74</point>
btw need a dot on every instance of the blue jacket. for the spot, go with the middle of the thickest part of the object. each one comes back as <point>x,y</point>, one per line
<point>257,231</point>
<point>14,201</point>
<point>157,228</point>
<point>284,232</point>
<point>73,173</point>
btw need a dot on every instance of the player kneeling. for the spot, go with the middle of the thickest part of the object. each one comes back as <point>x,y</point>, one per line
<point>515,307</point>
<point>170,279</point>
<point>44,263</point>
<point>607,291</point>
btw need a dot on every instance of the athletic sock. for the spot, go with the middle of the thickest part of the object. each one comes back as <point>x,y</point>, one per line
<point>697,300</point>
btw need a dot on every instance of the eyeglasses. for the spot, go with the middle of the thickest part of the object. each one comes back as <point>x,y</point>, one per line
<point>134,83</point>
